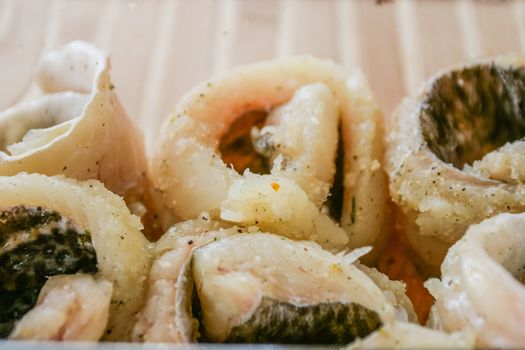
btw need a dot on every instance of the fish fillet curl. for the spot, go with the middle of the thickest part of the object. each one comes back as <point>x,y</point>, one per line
<point>166,315</point>
<point>123,254</point>
<point>76,126</point>
<point>481,288</point>
<point>307,99</point>
<point>69,307</point>
<point>233,270</point>
<point>447,169</point>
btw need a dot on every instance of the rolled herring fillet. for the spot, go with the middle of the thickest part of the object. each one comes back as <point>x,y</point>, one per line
<point>454,152</point>
<point>76,127</point>
<point>284,125</point>
<point>481,287</point>
<point>53,226</point>
<point>262,288</point>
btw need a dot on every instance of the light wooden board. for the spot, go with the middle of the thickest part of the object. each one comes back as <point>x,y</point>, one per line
<point>162,48</point>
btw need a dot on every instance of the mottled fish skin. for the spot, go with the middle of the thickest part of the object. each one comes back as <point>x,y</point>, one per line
<point>55,246</point>
<point>22,218</point>
<point>325,323</point>
<point>472,111</point>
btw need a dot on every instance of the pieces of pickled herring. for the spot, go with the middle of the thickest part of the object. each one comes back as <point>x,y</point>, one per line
<point>223,284</point>
<point>481,288</point>
<point>265,288</point>
<point>76,127</point>
<point>53,226</point>
<point>455,150</point>
<point>191,170</point>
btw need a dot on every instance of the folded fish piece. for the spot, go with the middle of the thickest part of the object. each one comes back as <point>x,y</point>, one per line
<point>265,288</point>
<point>454,153</point>
<point>52,226</point>
<point>227,285</point>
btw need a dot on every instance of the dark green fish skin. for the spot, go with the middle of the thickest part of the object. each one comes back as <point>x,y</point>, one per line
<point>325,323</point>
<point>472,111</point>
<point>55,246</point>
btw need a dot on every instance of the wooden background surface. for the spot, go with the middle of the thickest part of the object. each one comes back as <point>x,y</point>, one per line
<point>160,49</point>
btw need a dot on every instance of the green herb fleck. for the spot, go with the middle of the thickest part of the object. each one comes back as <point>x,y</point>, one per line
<point>352,214</point>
